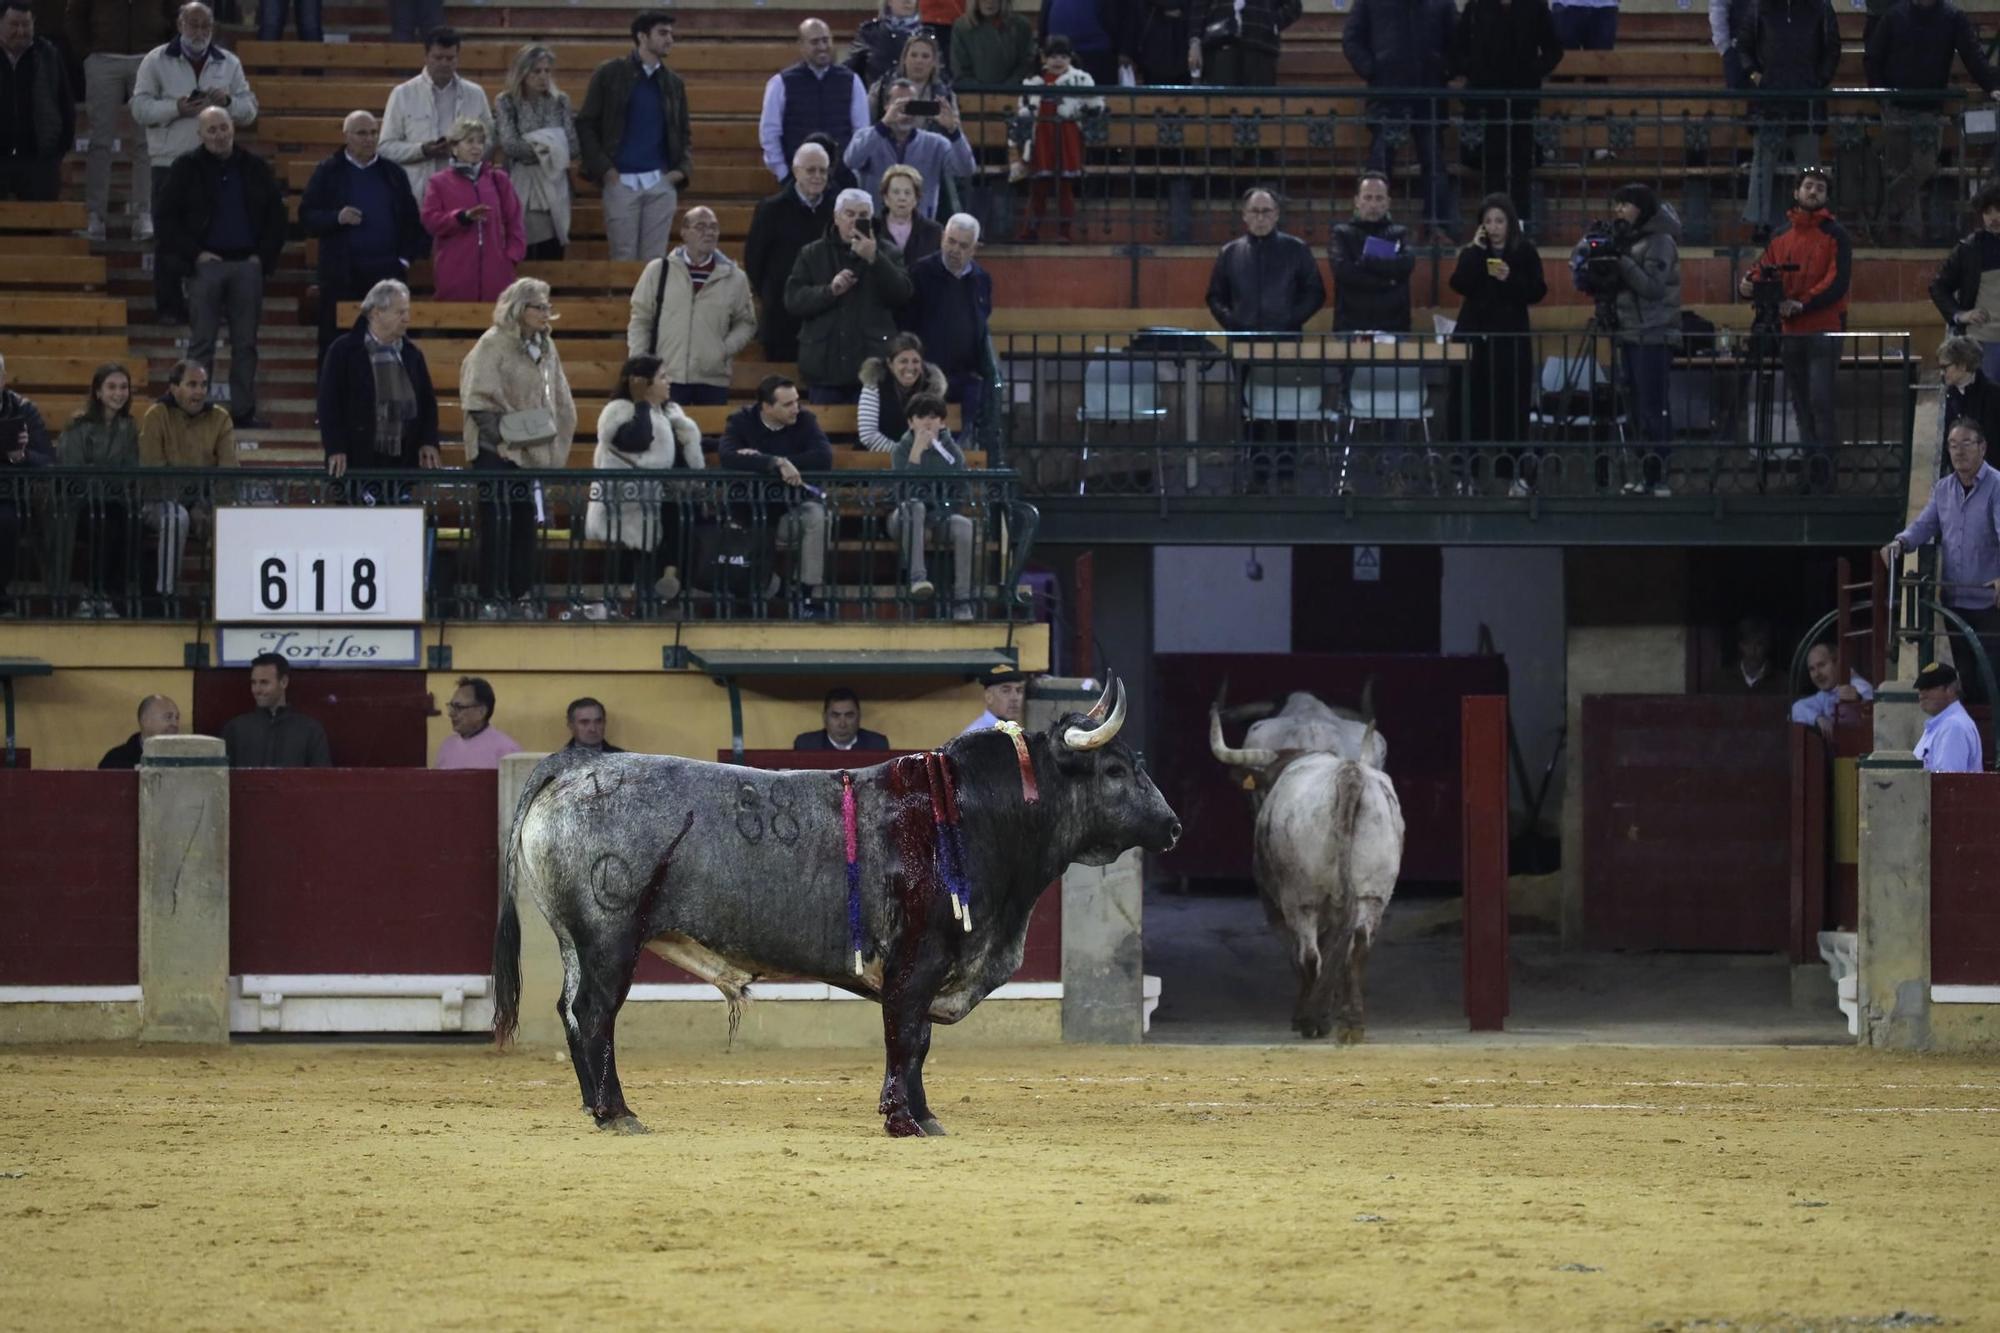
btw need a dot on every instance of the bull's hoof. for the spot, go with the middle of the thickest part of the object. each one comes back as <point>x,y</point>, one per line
<point>1352,1034</point>
<point>901,1125</point>
<point>932,1129</point>
<point>623,1124</point>
<point>1311,1029</point>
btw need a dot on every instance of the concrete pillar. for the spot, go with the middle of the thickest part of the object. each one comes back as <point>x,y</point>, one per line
<point>184,890</point>
<point>1102,951</point>
<point>1898,720</point>
<point>541,965</point>
<point>1894,949</point>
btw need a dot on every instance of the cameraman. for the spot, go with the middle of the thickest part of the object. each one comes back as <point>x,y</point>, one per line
<point>1815,259</point>
<point>1638,288</point>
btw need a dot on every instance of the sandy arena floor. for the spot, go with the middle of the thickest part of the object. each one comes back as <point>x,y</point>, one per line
<point>279,1187</point>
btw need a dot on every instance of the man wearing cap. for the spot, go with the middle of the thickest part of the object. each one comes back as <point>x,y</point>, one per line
<point>1963,517</point>
<point>1950,743</point>
<point>1006,695</point>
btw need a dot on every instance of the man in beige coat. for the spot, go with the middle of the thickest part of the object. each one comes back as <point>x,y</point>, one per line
<point>692,309</point>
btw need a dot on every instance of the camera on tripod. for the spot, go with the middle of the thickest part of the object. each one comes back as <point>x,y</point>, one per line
<point>1767,294</point>
<point>1602,248</point>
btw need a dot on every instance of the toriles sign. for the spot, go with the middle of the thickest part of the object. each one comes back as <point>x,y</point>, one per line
<point>387,646</point>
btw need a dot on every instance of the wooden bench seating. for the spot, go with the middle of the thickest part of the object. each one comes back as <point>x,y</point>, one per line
<point>67,375</point>
<point>73,272</point>
<point>97,347</point>
<point>295,93</point>
<point>64,312</point>
<point>487,61</point>
<point>836,419</point>
<point>58,216</point>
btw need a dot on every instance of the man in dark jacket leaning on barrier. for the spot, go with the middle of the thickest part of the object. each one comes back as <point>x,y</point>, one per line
<point>778,438</point>
<point>376,405</point>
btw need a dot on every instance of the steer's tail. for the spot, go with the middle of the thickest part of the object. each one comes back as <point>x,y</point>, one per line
<point>507,935</point>
<point>1344,814</point>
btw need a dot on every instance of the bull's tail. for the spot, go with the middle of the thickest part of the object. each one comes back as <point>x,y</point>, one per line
<point>507,935</point>
<point>1344,813</point>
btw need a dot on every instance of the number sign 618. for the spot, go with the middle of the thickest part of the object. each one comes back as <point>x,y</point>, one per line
<point>313,583</point>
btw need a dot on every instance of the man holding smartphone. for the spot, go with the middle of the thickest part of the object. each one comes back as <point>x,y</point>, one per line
<point>898,139</point>
<point>843,289</point>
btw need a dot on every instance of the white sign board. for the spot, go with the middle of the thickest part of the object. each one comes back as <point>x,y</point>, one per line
<point>1367,564</point>
<point>326,565</point>
<point>313,645</point>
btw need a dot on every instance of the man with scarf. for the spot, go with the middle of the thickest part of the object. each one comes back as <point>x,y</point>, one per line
<point>376,406</point>
<point>1814,306</point>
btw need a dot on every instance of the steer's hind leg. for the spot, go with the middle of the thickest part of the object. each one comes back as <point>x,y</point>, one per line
<point>565,999</point>
<point>1353,1025</point>
<point>604,964</point>
<point>913,1083</point>
<point>906,1038</point>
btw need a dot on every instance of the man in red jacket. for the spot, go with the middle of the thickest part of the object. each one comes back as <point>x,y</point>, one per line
<point>1814,306</point>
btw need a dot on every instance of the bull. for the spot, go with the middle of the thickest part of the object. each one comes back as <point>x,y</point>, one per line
<point>909,883</point>
<point>1327,849</point>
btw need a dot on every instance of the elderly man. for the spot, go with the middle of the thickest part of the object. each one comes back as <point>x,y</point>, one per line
<point>158,716</point>
<point>813,96</point>
<point>951,300</point>
<point>843,288</point>
<point>635,138</point>
<point>222,220</point>
<point>41,108</point>
<point>840,726</point>
<point>271,735</point>
<point>784,224</point>
<point>474,741</point>
<point>1265,279</point>
<point>692,309</point>
<point>175,84</point>
<point>1817,709</point>
<point>422,110</point>
<point>1006,696</point>
<point>111,37</point>
<point>1950,743</point>
<point>935,154</point>
<point>775,437</point>
<point>376,405</point>
<point>585,718</point>
<point>1963,517</point>
<point>359,206</point>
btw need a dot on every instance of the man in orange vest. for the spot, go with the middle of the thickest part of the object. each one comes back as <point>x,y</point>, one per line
<point>1816,260</point>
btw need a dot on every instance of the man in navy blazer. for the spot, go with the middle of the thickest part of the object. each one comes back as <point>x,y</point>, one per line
<point>842,729</point>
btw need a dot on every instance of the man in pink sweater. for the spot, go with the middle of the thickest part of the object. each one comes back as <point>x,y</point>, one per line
<point>475,742</point>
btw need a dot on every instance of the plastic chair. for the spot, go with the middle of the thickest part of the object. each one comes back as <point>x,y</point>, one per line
<point>1117,391</point>
<point>1573,391</point>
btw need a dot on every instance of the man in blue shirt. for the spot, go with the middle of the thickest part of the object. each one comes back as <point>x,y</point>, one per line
<point>360,207</point>
<point>634,133</point>
<point>1963,517</point>
<point>1950,743</point>
<point>1817,709</point>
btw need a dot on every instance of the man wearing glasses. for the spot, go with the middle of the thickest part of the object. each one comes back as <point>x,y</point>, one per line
<point>692,309</point>
<point>1265,280</point>
<point>474,741</point>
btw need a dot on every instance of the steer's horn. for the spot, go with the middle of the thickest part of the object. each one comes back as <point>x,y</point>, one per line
<point>1103,704</point>
<point>1239,758</point>
<point>1080,738</point>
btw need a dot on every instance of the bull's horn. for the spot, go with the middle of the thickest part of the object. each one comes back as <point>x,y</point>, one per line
<point>1239,758</point>
<point>1077,738</point>
<point>1249,712</point>
<point>1098,709</point>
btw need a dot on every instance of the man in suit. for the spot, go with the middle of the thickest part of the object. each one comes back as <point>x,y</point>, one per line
<point>586,719</point>
<point>842,729</point>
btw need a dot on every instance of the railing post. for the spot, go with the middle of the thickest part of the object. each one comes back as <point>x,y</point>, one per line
<point>1894,946</point>
<point>184,890</point>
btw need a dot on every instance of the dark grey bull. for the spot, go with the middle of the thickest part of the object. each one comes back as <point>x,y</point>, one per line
<point>736,873</point>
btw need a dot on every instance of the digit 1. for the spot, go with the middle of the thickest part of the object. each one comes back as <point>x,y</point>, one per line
<point>319,583</point>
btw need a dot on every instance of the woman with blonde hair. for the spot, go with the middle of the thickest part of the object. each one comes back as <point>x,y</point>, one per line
<point>518,414</point>
<point>913,233</point>
<point>641,429</point>
<point>475,217</point>
<point>538,141</point>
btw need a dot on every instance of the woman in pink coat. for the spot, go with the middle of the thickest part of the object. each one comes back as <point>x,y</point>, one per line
<point>475,215</point>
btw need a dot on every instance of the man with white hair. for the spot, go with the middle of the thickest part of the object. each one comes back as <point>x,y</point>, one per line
<point>844,289</point>
<point>813,96</point>
<point>360,207</point>
<point>951,301</point>
<point>783,225</point>
<point>376,405</point>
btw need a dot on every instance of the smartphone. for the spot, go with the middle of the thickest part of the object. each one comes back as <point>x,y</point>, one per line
<point>864,226</point>
<point>922,109</point>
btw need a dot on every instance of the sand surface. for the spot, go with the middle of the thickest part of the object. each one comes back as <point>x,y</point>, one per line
<point>274,1187</point>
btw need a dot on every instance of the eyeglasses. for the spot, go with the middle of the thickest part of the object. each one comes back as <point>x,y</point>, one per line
<point>538,305</point>
<point>1259,212</point>
<point>456,707</point>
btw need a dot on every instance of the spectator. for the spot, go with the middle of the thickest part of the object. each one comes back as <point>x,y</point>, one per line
<point>1500,277</point>
<point>1814,307</point>
<point>1751,672</point>
<point>358,203</point>
<point>1910,49</point>
<point>1406,44</point>
<point>271,735</point>
<point>1648,306</point>
<point>1963,517</point>
<point>1506,45</point>
<point>921,68</point>
<point>643,429</point>
<point>1726,18</point>
<point>1158,39</point>
<point>112,37</point>
<point>416,124</point>
<point>101,435</point>
<point>1090,28</point>
<point>41,108</point>
<point>840,726</point>
<point>814,96</point>
<point>538,141</point>
<point>474,218</point>
<point>158,716</point>
<point>412,20</point>
<point>897,140</point>
<point>939,17</point>
<point>1372,264</point>
<point>878,43</point>
<point>1235,43</point>
<point>843,287</point>
<point>1950,743</point>
<point>305,14</point>
<point>926,512</point>
<point>776,437</point>
<point>1967,391</point>
<point>474,741</point>
<point>1818,709</point>
<point>1790,45</point>
<point>174,85</point>
<point>1265,279</point>
<point>888,385</point>
<point>1966,290</point>
<point>908,230</point>
<point>692,309</point>
<point>183,429</point>
<point>783,225</point>
<point>1586,25</point>
<point>951,300</point>
<point>992,44</point>
<point>1053,152</point>
<point>518,414</point>
<point>636,140</point>
<point>585,718</point>
<point>222,220</point>
<point>1006,696</point>
<point>377,410</point>
<point>24,442</point>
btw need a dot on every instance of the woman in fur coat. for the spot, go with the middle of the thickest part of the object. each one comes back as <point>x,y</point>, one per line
<point>641,430</point>
<point>887,384</point>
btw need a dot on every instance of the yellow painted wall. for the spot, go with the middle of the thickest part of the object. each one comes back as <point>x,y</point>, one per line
<point>102,671</point>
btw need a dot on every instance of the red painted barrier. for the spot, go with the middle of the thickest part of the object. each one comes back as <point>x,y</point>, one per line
<point>1965,879</point>
<point>69,878</point>
<point>353,870</point>
<point>1483,729</point>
